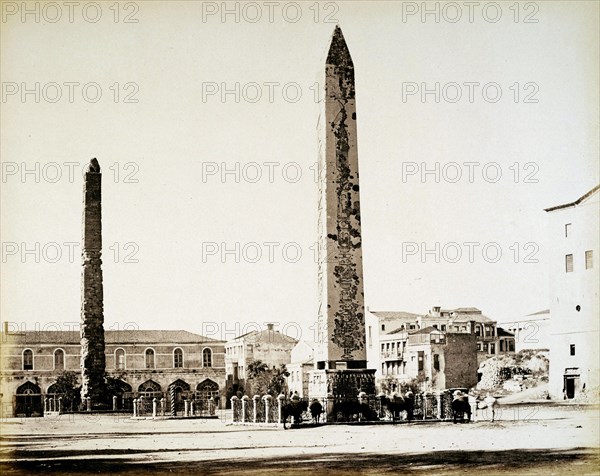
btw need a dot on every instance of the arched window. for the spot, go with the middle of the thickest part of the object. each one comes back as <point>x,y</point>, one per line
<point>149,358</point>
<point>206,358</point>
<point>120,359</point>
<point>207,389</point>
<point>178,358</point>
<point>150,389</point>
<point>27,359</point>
<point>59,359</point>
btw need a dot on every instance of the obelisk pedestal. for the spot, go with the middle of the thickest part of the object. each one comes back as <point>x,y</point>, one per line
<point>93,362</point>
<point>340,356</point>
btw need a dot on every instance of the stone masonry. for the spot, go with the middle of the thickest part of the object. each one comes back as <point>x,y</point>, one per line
<point>92,297</point>
<point>341,297</point>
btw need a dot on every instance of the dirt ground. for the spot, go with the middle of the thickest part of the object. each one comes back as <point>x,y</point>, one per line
<point>526,439</point>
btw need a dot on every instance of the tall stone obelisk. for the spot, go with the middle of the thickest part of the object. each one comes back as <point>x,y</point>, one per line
<point>340,354</point>
<point>93,361</point>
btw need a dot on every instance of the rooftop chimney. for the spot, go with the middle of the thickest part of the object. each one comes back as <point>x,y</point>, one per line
<point>270,327</point>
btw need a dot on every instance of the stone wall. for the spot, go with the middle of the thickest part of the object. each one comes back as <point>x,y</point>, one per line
<point>461,360</point>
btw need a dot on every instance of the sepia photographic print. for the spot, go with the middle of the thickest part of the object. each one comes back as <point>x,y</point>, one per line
<point>300,237</point>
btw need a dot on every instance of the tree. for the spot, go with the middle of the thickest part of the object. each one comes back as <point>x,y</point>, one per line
<point>278,382</point>
<point>265,380</point>
<point>67,386</point>
<point>257,368</point>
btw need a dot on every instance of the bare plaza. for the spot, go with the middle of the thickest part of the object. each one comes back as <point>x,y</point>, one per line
<point>522,441</point>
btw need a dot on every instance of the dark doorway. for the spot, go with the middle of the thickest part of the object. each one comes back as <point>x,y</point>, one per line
<point>570,387</point>
<point>28,400</point>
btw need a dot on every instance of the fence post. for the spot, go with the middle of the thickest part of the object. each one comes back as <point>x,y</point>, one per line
<point>473,404</point>
<point>59,404</point>
<point>89,404</point>
<point>424,396</point>
<point>380,398</point>
<point>330,403</point>
<point>172,396</point>
<point>267,399</point>
<point>192,408</point>
<point>256,399</point>
<point>233,400</point>
<point>245,399</point>
<point>154,402</point>
<point>211,406</point>
<point>186,408</point>
<point>162,406</point>
<point>280,399</point>
<point>439,404</point>
<point>114,400</point>
<point>135,402</point>
<point>361,401</point>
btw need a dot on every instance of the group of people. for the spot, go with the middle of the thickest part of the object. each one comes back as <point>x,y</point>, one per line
<point>469,403</point>
<point>462,404</point>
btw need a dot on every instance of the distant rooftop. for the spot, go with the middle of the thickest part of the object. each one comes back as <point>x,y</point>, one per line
<point>267,335</point>
<point>539,313</point>
<point>426,330</point>
<point>460,314</point>
<point>576,202</point>
<point>389,315</point>
<point>503,333</point>
<point>132,336</point>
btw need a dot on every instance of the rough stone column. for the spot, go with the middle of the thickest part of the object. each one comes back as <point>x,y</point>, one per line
<point>92,297</point>
<point>341,297</point>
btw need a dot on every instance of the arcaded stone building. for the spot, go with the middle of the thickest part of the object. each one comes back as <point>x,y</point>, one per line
<point>158,364</point>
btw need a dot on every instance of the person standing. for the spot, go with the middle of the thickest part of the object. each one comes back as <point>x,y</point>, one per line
<point>490,402</point>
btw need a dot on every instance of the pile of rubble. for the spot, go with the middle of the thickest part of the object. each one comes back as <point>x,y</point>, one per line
<point>513,373</point>
<point>490,374</point>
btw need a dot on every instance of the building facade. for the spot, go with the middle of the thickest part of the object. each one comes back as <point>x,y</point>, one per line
<point>269,346</point>
<point>438,360</point>
<point>574,283</point>
<point>301,363</point>
<point>162,364</point>
<point>491,340</point>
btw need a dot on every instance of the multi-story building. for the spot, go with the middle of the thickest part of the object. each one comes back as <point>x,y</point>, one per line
<point>269,346</point>
<point>438,359</point>
<point>490,339</point>
<point>144,362</point>
<point>574,284</point>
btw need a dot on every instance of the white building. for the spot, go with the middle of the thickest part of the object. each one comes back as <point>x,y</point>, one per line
<point>268,346</point>
<point>302,362</point>
<point>531,331</point>
<point>574,283</point>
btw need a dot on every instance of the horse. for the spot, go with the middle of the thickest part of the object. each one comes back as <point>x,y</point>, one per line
<point>460,406</point>
<point>293,409</point>
<point>398,404</point>
<point>315,410</point>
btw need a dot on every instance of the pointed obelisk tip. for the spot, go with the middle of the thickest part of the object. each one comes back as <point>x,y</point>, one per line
<point>338,49</point>
<point>93,167</point>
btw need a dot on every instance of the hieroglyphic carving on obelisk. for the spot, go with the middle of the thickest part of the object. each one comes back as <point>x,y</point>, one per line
<point>341,296</point>
<point>92,296</point>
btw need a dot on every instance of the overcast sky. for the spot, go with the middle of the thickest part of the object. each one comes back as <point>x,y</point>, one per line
<point>517,95</point>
